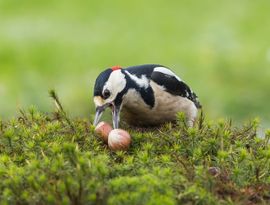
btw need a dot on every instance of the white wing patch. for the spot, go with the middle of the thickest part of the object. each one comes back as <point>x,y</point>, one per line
<point>166,71</point>
<point>142,82</point>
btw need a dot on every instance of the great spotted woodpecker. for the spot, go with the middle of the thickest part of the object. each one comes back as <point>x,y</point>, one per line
<point>146,95</point>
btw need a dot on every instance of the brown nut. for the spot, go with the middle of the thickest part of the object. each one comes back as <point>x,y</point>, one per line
<point>119,140</point>
<point>103,129</point>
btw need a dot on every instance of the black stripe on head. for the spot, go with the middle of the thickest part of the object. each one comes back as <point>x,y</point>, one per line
<point>100,81</point>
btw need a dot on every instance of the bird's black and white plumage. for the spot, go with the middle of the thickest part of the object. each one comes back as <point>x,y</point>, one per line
<point>146,95</point>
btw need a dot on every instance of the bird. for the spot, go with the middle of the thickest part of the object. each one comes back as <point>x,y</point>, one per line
<point>144,95</point>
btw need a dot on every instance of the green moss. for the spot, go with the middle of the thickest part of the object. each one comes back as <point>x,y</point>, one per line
<point>45,159</point>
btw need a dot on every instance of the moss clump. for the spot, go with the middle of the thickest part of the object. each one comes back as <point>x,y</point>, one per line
<point>45,159</point>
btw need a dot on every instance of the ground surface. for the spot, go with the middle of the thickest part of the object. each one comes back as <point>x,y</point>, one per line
<point>51,159</point>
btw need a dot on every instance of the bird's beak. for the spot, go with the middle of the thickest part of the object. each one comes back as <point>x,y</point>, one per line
<point>115,116</point>
<point>99,111</point>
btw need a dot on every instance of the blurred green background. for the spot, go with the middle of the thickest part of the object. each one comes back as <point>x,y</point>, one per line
<point>220,48</point>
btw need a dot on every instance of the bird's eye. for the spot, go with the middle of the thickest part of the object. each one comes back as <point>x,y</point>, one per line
<point>106,94</point>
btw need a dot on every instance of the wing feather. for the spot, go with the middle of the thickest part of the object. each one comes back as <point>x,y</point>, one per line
<point>173,84</point>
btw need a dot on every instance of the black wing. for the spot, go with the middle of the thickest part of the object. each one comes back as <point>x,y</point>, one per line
<point>139,70</point>
<point>175,86</point>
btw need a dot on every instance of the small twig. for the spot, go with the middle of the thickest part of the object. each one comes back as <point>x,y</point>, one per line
<point>58,104</point>
<point>189,172</point>
<point>60,108</point>
<point>201,120</point>
<point>1,126</point>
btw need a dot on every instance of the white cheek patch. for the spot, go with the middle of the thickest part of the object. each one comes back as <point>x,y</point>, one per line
<point>142,82</point>
<point>166,71</point>
<point>115,84</point>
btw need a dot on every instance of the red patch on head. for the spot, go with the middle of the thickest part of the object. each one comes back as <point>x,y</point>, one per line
<point>117,67</point>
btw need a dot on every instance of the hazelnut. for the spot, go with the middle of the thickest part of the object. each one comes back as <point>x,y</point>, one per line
<point>103,129</point>
<point>119,140</point>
